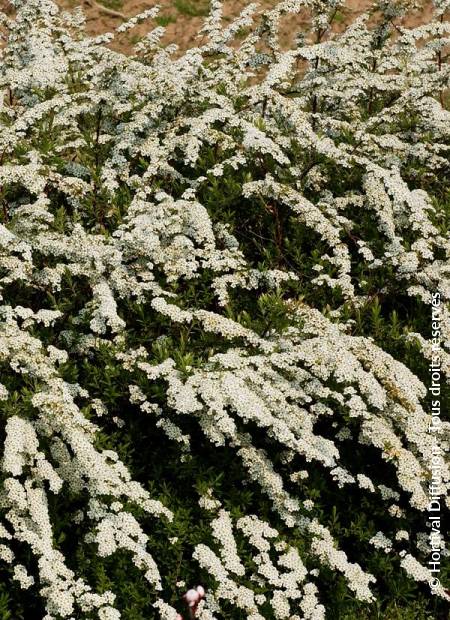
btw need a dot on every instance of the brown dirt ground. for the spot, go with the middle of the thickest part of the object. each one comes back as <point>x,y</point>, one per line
<point>183,18</point>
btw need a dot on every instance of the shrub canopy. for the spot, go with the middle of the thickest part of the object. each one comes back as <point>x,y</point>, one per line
<point>219,271</point>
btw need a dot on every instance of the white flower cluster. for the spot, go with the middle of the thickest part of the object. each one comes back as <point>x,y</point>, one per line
<point>74,461</point>
<point>285,577</point>
<point>380,541</point>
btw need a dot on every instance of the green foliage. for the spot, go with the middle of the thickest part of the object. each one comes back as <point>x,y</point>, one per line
<point>192,8</point>
<point>165,20</point>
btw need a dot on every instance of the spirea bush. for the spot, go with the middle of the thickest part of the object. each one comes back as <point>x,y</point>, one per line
<point>217,274</point>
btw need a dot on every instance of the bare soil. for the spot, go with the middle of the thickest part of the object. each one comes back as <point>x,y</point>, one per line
<point>183,18</point>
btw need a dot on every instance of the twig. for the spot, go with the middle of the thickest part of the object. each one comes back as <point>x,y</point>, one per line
<point>104,9</point>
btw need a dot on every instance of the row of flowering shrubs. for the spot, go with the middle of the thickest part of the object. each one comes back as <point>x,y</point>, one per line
<point>217,270</point>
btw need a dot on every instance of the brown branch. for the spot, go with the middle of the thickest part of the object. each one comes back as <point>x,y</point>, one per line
<point>3,203</point>
<point>4,207</point>
<point>103,9</point>
<point>441,92</point>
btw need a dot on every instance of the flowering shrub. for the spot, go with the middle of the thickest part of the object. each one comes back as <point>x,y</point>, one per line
<point>216,276</point>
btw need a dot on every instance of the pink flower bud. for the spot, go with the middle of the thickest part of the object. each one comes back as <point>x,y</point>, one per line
<point>179,617</point>
<point>201,591</point>
<point>192,597</point>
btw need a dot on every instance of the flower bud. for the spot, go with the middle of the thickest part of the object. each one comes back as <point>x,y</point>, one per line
<point>201,591</point>
<point>192,597</point>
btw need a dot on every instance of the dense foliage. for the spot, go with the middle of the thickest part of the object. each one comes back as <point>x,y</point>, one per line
<point>217,270</point>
